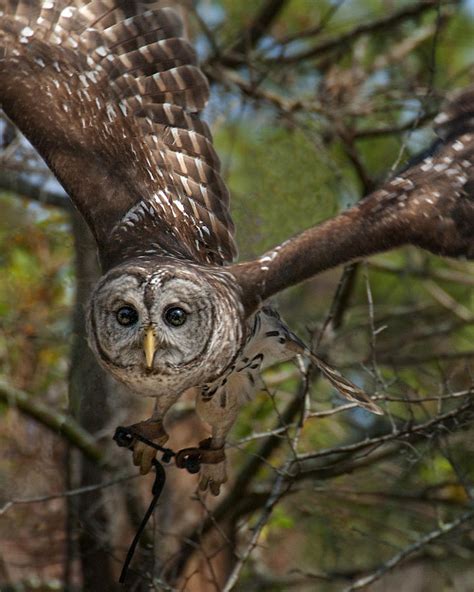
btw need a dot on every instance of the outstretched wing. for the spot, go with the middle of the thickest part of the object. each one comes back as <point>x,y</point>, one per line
<point>430,204</point>
<point>109,93</point>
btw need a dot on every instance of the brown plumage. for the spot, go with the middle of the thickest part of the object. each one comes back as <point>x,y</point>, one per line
<point>130,122</point>
<point>109,92</point>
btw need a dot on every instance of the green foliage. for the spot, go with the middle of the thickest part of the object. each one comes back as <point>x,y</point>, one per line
<point>274,196</point>
<point>35,295</point>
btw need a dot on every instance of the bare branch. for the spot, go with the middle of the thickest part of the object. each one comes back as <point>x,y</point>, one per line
<point>17,184</point>
<point>57,422</point>
<point>63,494</point>
<point>444,275</point>
<point>388,130</point>
<point>376,26</point>
<point>409,550</point>
<point>449,356</point>
<point>253,32</point>
<point>228,77</point>
<point>273,498</point>
<point>441,421</point>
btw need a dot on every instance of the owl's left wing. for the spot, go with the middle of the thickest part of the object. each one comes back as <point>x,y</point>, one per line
<point>109,93</point>
<point>430,205</point>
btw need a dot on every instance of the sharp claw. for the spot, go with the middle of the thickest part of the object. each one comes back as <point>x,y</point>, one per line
<point>147,460</point>
<point>215,488</point>
<point>143,457</point>
<point>143,454</point>
<point>213,475</point>
<point>137,454</point>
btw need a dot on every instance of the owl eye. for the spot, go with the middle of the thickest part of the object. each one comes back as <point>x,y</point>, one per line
<point>127,315</point>
<point>175,316</point>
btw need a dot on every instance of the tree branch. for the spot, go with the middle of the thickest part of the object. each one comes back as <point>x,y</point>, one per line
<point>226,76</point>
<point>17,184</point>
<point>413,548</point>
<point>57,422</point>
<point>443,421</point>
<point>64,494</point>
<point>253,32</point>
<point>443,275</point>
<point>377,25</point>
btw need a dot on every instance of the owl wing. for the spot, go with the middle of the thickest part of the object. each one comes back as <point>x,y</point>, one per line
<point>109,93</point>
<point>430,204</point>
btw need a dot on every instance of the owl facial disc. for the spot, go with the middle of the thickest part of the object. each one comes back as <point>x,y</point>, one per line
<point>163,330</point>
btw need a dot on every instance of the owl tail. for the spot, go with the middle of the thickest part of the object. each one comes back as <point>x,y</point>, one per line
<point>344,386</point>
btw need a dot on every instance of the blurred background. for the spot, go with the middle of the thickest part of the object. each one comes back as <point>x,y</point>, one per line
<point>313,104</point>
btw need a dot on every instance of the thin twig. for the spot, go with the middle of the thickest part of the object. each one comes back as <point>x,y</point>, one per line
<point>63,494</point>
<point>444,275</point>
<point>253,32</point>
<point>435,423</point>
<point>409,550</point>
<point>277,491</point>
<point>376,25</point>
<point>273,498</point>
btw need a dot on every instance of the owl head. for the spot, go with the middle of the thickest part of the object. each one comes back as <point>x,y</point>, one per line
<point>161,329</point>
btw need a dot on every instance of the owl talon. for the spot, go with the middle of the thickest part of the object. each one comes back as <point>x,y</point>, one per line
<point>215,488</point>
<point>143,454</point>
<point>143,457</point>
<point>212,476</point>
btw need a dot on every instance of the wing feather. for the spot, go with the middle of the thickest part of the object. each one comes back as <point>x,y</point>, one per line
<point>430,204</point>
<point>109,93</point>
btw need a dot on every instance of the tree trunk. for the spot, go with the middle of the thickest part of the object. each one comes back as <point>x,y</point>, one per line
<point>88,399</point>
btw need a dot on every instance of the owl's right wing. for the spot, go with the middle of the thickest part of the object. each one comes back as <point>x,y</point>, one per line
<point>430,204</point>
<point>109,93</point>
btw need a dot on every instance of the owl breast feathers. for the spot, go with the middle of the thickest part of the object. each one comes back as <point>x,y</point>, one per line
<point>110,93</point>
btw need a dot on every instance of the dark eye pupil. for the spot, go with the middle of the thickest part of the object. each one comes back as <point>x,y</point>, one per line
<point>175,316</point>
<point>127,315</point>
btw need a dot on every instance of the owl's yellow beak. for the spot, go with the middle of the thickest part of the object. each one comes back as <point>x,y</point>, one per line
<point>149,345</point>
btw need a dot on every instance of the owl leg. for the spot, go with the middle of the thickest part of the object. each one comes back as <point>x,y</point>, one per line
<point>151,429</point>
<point>220,416</point>
<point>212,476</point>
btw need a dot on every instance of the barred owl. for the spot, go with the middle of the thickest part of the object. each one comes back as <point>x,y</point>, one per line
<point>109,92</point>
